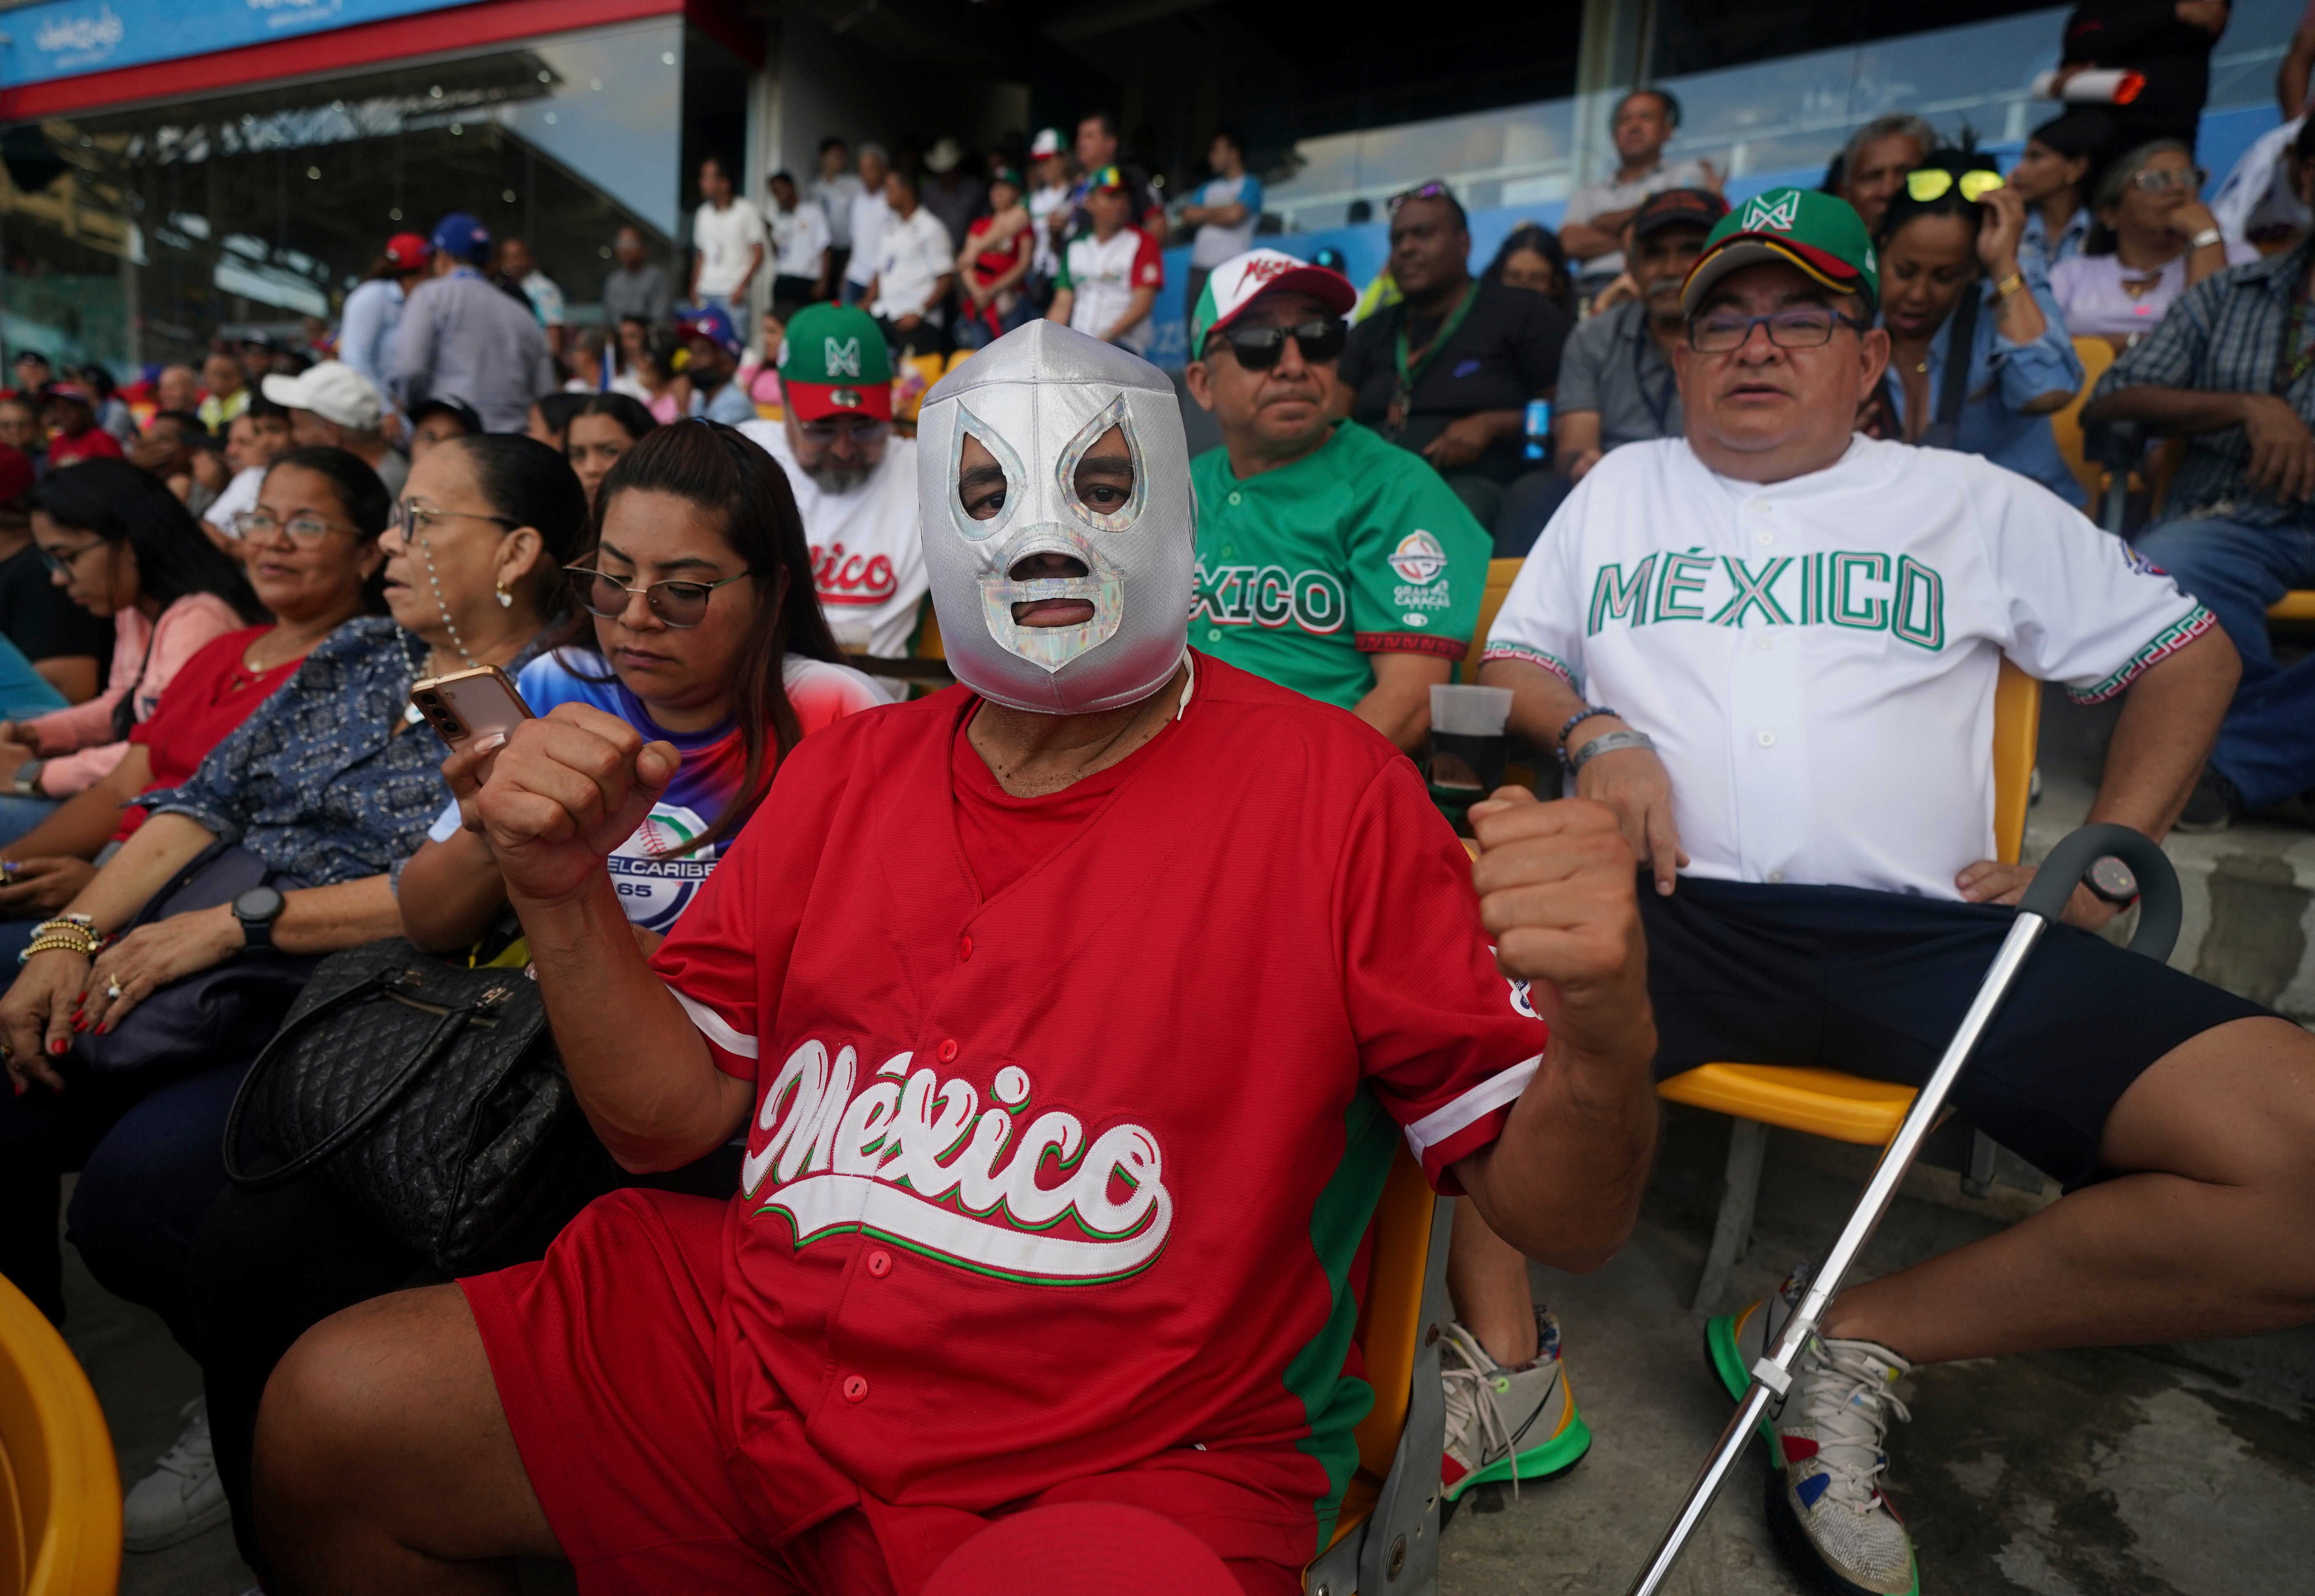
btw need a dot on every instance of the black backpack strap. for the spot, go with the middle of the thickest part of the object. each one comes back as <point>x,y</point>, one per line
<point>1961,343</point>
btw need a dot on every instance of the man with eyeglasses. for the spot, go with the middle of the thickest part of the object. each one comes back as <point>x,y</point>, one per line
<point>1770,646</point>
<point>855,483</point>
<point>1328,562</point>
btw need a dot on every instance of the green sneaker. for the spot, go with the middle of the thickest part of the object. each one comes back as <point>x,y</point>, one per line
<point>1507,1423</point>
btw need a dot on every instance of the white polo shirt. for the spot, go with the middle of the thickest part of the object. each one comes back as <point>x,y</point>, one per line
<point>1816,659</point>
<point>868,555</point>
<point>800,237</point>
<point>912,255</point>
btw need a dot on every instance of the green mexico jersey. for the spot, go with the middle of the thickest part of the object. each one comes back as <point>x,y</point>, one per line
<point>1358,548</point>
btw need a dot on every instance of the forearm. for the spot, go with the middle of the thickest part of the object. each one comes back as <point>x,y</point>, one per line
<point>1585,240</point>
<point>162,847</point>
<point>84,823</point>
<point>1563,1182</point>
<point>1541,700</point>
<point>2169,719</point>
<point>1398,706</point>
<point>640,1067</point>
<point>2170,409</point>
<point>450,892</point>
<point>329,919</point>
<point>1577,434</point>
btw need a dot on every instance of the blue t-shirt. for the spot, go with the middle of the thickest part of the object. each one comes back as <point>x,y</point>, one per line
<point>656,880</point>
<point>24,692</point>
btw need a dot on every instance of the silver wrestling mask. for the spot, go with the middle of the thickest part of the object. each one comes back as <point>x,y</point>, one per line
<point>1038,400</point>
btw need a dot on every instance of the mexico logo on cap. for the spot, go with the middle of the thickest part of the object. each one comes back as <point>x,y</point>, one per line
<point>841,359</point>
<point>1418,558</point>
<point>844,398</point>
<point>1778,215</point>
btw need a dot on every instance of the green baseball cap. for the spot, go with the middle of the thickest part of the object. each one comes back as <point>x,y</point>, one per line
<point>1821,235</point>
<point>833,362</point>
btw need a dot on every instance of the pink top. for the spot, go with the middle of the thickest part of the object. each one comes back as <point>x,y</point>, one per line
<point>78,742</point>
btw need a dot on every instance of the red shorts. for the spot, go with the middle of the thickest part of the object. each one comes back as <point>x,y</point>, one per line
<point>605,1355</point>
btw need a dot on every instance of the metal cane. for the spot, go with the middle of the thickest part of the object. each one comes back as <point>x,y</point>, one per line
<point>2092,847</point>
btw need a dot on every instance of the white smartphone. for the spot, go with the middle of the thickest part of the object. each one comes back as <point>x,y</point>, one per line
<point>466,705</point>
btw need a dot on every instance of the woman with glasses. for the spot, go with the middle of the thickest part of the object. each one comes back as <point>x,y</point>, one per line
<point>120,545</point>
<point>697,625</point>
<point>312,560</point>
<point>1978,356</point>
<point>601,430</point>
<point>2154,237</point>
<point>331,784</point>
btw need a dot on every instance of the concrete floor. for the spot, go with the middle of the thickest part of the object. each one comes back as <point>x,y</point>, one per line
<point>2121,1472</point>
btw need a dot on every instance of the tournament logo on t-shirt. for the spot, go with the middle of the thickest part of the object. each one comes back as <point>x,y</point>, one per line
<point>655,879</point>
<point>1418,558</point>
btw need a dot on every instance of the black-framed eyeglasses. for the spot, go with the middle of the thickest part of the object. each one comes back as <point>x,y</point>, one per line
<point>1258,348</point>
<point>302,527</point>
<point>858,430</point>
<point>1795,327</point>
<point>412,518</point>
<point>62,564</point>
<point>680,604</point>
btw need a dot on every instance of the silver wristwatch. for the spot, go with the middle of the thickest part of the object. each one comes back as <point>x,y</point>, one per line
<point>27,782</point>
<point>2205,239</point>
<point>1608,742</point>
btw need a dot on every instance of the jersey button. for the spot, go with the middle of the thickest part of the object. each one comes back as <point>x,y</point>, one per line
<point>963,947</point>
<point>1233,498</point>
<point>880,1263</point>
<point>947,1050</point>
<point>1775,875</point>
<point>1764,538</point>
<point>1765,739</point>
<point>1760,504</point>
<point>1764,642</point>
<point>855,1388</point>
<point>1213,635</point>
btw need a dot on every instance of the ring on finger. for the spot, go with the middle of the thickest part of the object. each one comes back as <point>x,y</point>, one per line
<point>113,987</point>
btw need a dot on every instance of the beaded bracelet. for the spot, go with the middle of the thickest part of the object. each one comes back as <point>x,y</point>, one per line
<point>1576,720</point>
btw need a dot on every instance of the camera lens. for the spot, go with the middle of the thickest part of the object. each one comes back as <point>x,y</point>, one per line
<point>429,697</point>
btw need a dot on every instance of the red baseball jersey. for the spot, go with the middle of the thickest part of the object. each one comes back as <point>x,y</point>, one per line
<point>1075,1180</point>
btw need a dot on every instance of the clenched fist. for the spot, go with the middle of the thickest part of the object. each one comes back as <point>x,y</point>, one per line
<point>558,795</point>
<point>1556,885</point>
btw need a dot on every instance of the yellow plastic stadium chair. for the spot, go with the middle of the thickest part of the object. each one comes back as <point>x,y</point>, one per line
<point>1500,576</point>
<point>2297,608</point>
<point>1826,1101</point>
<point>1386,1538</point>
<point>59,1486</point>
<point>2096,355</point>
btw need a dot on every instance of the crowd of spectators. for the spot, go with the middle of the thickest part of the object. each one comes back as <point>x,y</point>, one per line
<point>218,584</point>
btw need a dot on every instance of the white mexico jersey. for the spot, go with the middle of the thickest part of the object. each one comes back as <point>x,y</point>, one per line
<point>867,558</point>
<point>1816,659</point>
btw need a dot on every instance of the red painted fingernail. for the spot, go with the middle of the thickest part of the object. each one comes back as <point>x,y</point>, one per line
<point>56,1048</point>
<point>79,1023</point>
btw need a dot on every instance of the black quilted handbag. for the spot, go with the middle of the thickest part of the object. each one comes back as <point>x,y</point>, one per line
<point>430,1095</point>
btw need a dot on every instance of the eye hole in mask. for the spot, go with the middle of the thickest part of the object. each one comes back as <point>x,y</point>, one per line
<point>1105,490</point>
<point>986,489</point>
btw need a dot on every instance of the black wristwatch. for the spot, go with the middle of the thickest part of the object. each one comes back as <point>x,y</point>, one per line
<point>2111,881</point>
<point>257,909</point>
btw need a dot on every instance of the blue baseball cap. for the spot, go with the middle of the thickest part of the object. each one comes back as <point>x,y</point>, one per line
<point>463,237</point>
<point>715,324</point>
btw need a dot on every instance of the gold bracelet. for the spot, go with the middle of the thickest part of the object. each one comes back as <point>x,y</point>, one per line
<point>2008,286</point>
<point>54,945</point>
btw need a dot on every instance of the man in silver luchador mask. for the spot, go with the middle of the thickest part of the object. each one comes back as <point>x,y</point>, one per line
<point>1071,1020</point>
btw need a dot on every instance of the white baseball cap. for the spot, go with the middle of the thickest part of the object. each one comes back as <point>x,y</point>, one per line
<point>333,391</point>
<point>1048,142</point>
<point>1239,281</point>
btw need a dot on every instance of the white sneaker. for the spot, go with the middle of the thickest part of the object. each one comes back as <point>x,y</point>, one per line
<point>183,1497</point>
<point>1826,1505</point>
<point>1507,1423</point>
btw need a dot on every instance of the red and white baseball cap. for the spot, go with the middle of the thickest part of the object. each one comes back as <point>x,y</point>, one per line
<point>408,251</point>
<point>1238,282</point>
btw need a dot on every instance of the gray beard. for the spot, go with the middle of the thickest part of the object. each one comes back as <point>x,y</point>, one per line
<point>836,478</point>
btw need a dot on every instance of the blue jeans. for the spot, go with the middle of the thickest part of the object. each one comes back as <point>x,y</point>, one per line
<point>19,815</point>
<point>2267,746</point>
<point>150,1164</point>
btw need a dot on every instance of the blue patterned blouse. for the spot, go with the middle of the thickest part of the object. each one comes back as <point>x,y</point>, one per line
<point>325,780</point>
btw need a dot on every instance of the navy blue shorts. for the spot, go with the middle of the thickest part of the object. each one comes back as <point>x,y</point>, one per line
<point>1875,984</point>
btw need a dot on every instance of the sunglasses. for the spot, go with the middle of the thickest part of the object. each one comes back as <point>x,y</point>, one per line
<point>680,604</point>
<point>1257,348</point>
<point>1430,190</point>
<point>1934,182</point>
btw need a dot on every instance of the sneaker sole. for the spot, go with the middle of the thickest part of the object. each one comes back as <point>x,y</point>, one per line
<point>1548,1461</point>
<point>1727,1364</point>
<point>1804,1561</point>
<point>191,1530</point>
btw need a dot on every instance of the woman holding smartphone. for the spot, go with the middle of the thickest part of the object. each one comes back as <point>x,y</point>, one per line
<point>329,782</point>
<point>697,623</point>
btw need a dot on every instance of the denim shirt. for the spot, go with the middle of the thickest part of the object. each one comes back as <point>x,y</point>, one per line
<point>2003,376</point>
<point>2036,244</point>
<point>316,781</point>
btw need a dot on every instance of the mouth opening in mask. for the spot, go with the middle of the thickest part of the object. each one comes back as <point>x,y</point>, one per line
<point>1051,608</point>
